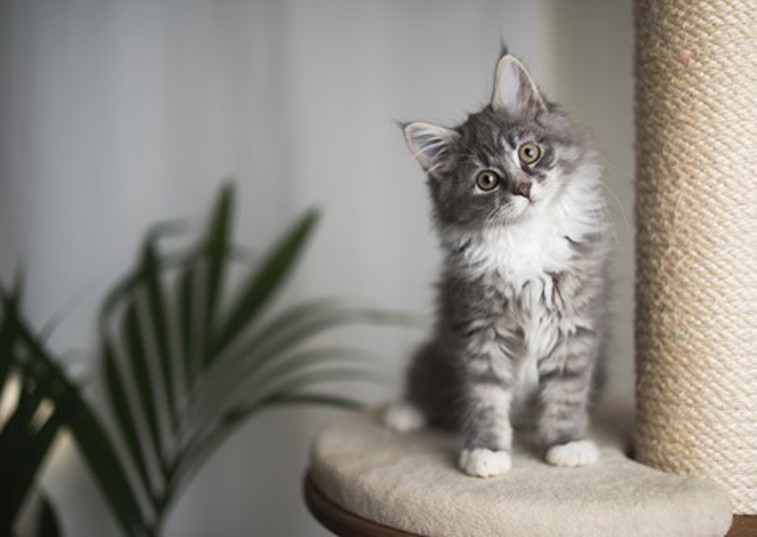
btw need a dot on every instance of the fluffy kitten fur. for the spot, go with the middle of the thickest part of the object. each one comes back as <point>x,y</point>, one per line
<point>521,301</point>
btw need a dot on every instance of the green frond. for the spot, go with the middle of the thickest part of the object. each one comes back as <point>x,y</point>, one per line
<point>182,369</point>
<point>261,285</point>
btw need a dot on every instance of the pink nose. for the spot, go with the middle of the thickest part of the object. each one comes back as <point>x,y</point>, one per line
<point>524,189</point>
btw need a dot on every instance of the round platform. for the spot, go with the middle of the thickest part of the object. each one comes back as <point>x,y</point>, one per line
<point>408,484</point>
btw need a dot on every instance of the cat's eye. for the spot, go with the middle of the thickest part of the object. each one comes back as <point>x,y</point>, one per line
<point>487,180</point>
<point>529,153</point>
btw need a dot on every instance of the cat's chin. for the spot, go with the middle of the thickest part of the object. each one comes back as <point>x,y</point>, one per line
<point>515,212</point>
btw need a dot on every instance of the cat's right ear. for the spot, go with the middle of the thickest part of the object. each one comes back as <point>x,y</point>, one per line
<point>429,143</point>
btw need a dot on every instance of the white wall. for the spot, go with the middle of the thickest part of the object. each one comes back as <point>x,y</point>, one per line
<point>115,114</point>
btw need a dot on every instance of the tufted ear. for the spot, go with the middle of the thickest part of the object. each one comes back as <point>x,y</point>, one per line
<point>515,92</point>
<point>429,143</point>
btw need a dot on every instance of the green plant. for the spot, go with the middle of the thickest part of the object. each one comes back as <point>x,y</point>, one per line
<point>50,401</point>
<point>30,426</point>
<point>184,367</point>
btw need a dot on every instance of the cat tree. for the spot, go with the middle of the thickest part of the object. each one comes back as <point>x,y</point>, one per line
<point>696,239</point>
<point>696,332</point>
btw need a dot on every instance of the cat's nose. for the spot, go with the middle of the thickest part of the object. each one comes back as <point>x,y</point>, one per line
<point>523,189</point>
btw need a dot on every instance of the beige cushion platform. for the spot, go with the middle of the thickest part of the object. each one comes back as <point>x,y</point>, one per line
<point>410,482</point>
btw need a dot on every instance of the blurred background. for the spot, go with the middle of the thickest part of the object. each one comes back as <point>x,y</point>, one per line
<point>117,114</point>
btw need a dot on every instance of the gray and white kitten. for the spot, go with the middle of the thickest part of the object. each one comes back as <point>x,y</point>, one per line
<point>518,205</point>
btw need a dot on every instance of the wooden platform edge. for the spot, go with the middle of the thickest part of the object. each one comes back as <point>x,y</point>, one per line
<point>346,524</point>
<point>339,520</point>
<point>743,526</point>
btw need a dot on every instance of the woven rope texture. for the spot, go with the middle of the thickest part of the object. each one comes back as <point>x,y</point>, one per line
<point>696,218</point>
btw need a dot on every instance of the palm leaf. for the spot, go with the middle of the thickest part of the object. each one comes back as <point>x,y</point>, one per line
<point>7,334</point>
<point>217,246</point>
<point>25,439</point>
<point>287,331</point>
<point>191,338</point>
<point>27,434</point>
<point>93,441</point>
<point>173,351</point>
<point>219,397</point>
<point>47,520</point>
<point>201,449</point>
<point>105,465</point>
<point>151,271</point>
<point>262,284</point>
<point>116,393</point>
<point>36,448</point>
<point>137,360</point>
<point>16,438</point>
<point>286,385</point>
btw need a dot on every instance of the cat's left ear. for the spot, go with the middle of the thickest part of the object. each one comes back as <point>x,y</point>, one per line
<point>515,92</point>
<point>429,143</point>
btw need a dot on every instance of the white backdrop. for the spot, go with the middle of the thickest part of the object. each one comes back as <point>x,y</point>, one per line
<point>116,114</point>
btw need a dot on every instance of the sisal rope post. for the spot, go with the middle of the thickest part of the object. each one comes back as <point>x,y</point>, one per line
<point>696,244</point>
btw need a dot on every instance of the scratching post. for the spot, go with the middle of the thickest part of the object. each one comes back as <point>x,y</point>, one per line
<point>696,217</point>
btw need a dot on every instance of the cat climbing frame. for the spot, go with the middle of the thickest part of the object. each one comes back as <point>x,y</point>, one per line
<point>696,241</point>
<point>696,334</point>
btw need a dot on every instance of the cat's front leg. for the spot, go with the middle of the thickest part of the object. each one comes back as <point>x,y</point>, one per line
<point>565,384</point>
<point>487,433</point>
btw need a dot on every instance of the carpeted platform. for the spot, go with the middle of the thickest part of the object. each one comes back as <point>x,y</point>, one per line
<point>410,482</point>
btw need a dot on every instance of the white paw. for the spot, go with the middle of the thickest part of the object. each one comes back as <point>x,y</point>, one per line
<point>485,462</point>
<point>572,454</point>
<point>403,417</point>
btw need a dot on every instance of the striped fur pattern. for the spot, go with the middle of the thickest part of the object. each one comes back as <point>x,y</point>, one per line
<point>521,299</point>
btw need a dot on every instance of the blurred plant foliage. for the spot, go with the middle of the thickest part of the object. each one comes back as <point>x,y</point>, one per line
<point>36,401</point>
<point>186,359</point>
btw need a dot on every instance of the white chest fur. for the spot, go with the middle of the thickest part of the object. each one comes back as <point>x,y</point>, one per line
<point>525,259</point>
<point>527,253</point>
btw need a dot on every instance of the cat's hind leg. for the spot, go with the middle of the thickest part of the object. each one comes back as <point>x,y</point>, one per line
<point>403,416</point>
<point>429,392</point>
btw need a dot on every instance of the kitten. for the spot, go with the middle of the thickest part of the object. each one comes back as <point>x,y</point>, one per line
<point>517,202</point>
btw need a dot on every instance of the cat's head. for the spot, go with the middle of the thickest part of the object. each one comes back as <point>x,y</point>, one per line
<point>516,156</point>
